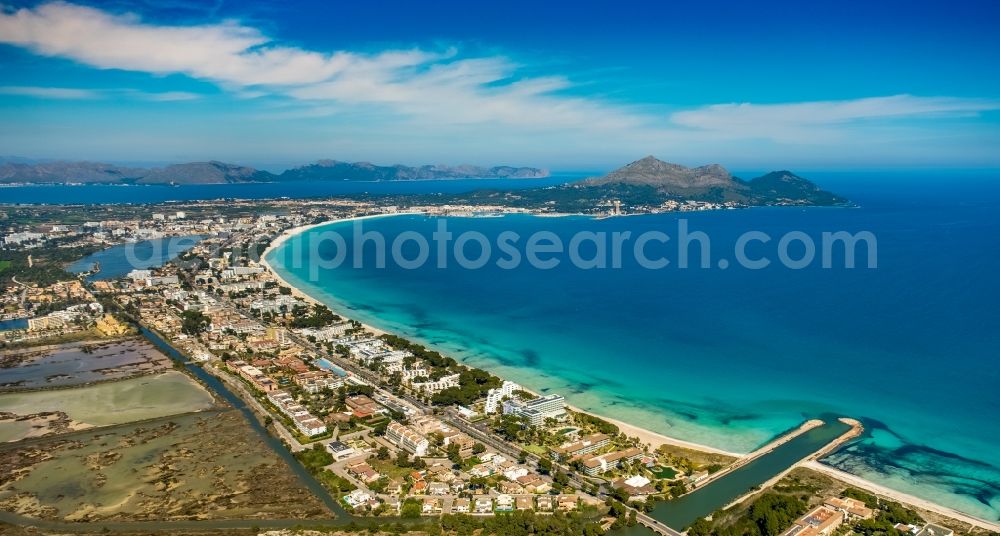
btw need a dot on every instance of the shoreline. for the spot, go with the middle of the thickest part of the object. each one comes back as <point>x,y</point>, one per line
<point>654,439</point>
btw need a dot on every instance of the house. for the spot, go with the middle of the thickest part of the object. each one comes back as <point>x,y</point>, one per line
<point>852,508</point>
<point>544,503</point>
<point>362,406</point>
<point>339,450</point>
<point>697,477</point>
<point>363,472</point>
<point>419,488</point>
<point>511,488</point>
<point>534,484</point>
<point>820,521</point>
<point>931,529</point>
<point>481,470</point>
<point>505,503</point>
<point>460,506</point>
<point>638,488</point>
<point>484,505</point>
<point>431,506</point>
<point>394,487</point>
<point>567,502</point>
<point>523,502</point>
<point>438,488</point>
<point>515,472</point>
<point>357,498</point>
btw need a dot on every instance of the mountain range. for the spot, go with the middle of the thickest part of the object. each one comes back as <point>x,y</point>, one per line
<point>213,172</point>
<point>713,183</point>
<point>650,183</point>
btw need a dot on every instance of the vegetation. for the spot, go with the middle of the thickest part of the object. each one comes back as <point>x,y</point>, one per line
<point>47,266</point>
<point>522,523</point>
<point>320,316</point>
<point>768,515</point>
<point>194,322</point>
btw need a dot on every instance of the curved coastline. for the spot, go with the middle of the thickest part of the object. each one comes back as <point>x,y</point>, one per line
<point>655,439</point>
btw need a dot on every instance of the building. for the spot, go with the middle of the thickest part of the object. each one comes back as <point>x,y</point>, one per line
<point>931,529</point>
<point>821,521</point>
<point>638,488</point>
<point>313,382</point>
<point>538,410</point>
<point>505,503</point>
<point>595,465</point>
<point>339,450</point>
<point>460,506</point>
<point>852,508</point>
<point>496,395</point>
<point>586,445</point>
<point>484,505</point>
<point>406,438</point>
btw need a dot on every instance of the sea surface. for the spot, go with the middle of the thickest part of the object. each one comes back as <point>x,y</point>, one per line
<point>732,357</point>
<point>117,261</point>
<point>105,194</point>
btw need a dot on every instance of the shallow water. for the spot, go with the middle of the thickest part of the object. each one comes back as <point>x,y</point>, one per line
<point>732,357</point>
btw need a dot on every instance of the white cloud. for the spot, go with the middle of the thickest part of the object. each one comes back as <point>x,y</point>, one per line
<point>797,122</point>
<point>448,98</point>
<point>70,93</point>
<point>417,83</point>
<point>49,92</point>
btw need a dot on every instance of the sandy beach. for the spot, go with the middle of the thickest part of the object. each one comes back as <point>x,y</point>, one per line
<point>899,496</point>
<point>649,437</point>
<point>289,233</point>
<point>653,439</point>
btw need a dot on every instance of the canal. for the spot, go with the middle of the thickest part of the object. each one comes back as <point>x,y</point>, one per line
<point>234,400</point>
<point>680,513</point>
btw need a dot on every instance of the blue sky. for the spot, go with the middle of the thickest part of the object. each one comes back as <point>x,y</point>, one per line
<point>564,85</point>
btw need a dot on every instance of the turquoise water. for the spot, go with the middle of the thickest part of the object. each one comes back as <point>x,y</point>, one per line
<point>732,357</point>
<point>324,364</point>
<point>680,513</point>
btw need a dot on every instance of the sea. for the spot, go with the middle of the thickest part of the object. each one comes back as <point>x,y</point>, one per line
<point>728,356</point>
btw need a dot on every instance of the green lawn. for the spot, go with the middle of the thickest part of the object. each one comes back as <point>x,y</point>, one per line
<point>4,265</point>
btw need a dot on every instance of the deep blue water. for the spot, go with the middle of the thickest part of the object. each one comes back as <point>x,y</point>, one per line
<point>15,323</point>
<point>119,260</point>
<point>117,194</point>
<point>732,357</point>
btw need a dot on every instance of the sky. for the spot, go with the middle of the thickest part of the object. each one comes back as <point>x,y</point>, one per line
<point>562,85</point>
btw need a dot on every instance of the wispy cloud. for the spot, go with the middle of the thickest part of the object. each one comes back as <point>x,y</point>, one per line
<point>49,92</point>
<point>789,122</point>
<point>441,91</point>
<point>70,93</point>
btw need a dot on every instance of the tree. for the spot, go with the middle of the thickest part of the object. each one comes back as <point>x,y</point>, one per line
<point>478,448</point>
<point>383,453</point>
<point>194,322</point>
<point>544,466</point>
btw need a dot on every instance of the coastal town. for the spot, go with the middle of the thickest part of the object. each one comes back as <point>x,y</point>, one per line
<point>389,428</point>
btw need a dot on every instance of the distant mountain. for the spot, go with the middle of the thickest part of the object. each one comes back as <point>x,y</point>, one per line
<point>649,183</point>
<point>713,183</point>
<point>327,170</point>
<point>61,172</point>
<point>67,172</point>
<point>205,173</point>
